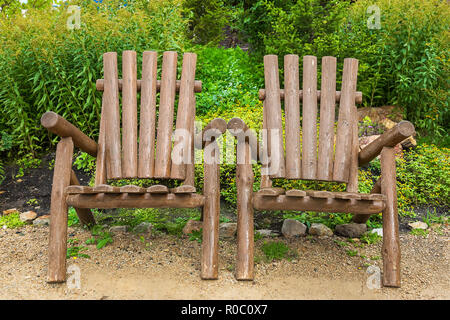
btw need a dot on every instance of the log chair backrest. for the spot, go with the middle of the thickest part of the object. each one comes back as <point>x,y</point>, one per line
<point>120,154</point>
<point>306,157</point>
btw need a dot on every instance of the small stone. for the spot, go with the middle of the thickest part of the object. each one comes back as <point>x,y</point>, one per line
<point>192,225</point>
<point>378,231</point>
<point>144,227</point>
<point>42,221</point>
<point>117,229</point>
<point>19,180</point>
<point>267,233</point>
<point>418,225</point>
<point>227,230</point>
<point>351,230</point>
<point>293,228</point>
<point>9,211</point>
<point>319,229</point>
<point>28,216</point>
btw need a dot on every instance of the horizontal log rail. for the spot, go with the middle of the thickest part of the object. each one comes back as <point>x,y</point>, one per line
<point>331,205</point>
<point>63,128</point>
<point>135,200</point>
<point>358,95</point>
<point>100,85</point>
<point>390,138</point>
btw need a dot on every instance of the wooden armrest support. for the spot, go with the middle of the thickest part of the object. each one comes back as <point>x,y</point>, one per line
<point>395,135</point>
<point>237,125</point>
<point>216,124</point>
<point>63,128</point>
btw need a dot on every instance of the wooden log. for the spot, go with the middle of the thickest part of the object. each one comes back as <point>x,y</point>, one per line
<point>271,192</point>
<point>344,136</point>
<point>190,167</point>
<point>63,128</point>
<point>217,124</point>
<point>295,193</point>
<point>309,124</point>
<point>358,95</point>
<point>129,115</point>
<point>158,188</point>
<point>391,242</point>
<point>211,211</point>
<point>184,189</point>
<point>111,94</point>
<point>292,117</point>
<point>266,182</point>
<point>274,124</point>
<point>85,215</point>
<point>58,211</point>
<point>348,196</point>
<point>375,195</point>
<point>132,189</point>
<point>146,200</point>
<point>327,114</point>
<point>101,169</point>
<point>238,128</point>
<point>331,205</point>
<point>104,188</point>
<point>245,223</point>
<point>185,119</point>
<point>390,138</point>
<point>352,185</point>
<point>320,194</point>
<point>100,84</point>
<point>166,111</point>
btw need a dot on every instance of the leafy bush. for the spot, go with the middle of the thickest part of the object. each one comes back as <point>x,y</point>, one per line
<point>11,221</point>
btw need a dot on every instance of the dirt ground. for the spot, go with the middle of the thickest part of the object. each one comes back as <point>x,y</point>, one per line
<point>167,267</point>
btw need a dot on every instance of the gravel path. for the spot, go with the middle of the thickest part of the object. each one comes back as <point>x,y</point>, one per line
<point>167,267</point>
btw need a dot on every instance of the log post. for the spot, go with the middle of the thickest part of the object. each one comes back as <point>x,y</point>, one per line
<point>363,218</point>
<point>391,243</point>
<point>85,215</point>
<point>58,212</point>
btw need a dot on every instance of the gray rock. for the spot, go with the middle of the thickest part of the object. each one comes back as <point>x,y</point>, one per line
<point>42,221</point>
<point>118,229</point>
<point>227,230</point>
<point>293,228</point>
<point>378,231</point>
<point>319,229</point>
<point>418,225</point>
<point>351,230</point>
<point>267,233</point>
<point>192,225</point>
<point>144,227</point>
<point>28,216</point>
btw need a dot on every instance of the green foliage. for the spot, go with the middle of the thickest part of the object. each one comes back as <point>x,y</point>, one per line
<point>75,251</point>
<point>276,250</point>
<point>419,232</point>
<point>11,221</point>
<point>370,238</point>
<point>196,235</point>
<point>72,218</point>
<point>85,162</point>
<point>207,20</point>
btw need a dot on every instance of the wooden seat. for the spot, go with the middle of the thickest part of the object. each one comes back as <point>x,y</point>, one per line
<point>121,155</point>
<point>300,153</point>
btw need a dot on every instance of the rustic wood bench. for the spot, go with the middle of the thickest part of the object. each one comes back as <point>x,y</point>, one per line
<point>318,153</point>
<point>120,155</point>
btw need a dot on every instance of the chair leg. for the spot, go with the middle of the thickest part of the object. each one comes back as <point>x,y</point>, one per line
<point>85,215</point>
<point>391,243</point>
<point>58,212</point>
<point>211,210</point>
<point>245,228</point>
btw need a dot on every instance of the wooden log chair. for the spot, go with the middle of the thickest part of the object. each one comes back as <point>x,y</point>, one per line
<point>331,157</point>
<point>122,156</point>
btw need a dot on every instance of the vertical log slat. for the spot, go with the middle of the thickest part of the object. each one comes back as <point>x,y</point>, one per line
<point>344,136</point>
<point>309,125</point>
<point>112,114</point>
<point>274,124</point>
<point>100,171</point>
<point>327,114</point>
<point>292,116</point>
<point>147,115</point>
<point>190,167</point>
<point>129,115</point>
<point>264,152</point>
<point>185,117</point>
<point>166,111</point>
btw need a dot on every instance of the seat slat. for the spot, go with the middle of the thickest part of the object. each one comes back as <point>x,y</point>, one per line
<point>183,189</point>
<point>347,195</point>
<point>274,124</point>
<point>129,115</point>
<point>272,192</point>
<point>111,94</point>
<point>373,196</point>
<point>327,114</point>
<point>320,194</point>
<point>104,188</point>
<point>158,188</point>
<point>344,137</point>
<point>309,125</point>
<point>295,193</point>
<point>166,112</point>
<point>181,154</point>
<point>132,189</point>
<point>292,122</point>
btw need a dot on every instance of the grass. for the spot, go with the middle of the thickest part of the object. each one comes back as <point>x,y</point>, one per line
<point>419,232</point>
<point>370,238</point>
<point>277,250</point>
<point>11,221</point>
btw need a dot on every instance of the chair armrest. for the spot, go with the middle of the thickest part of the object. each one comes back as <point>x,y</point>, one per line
<point>390,138</point>
<point>63,128</point>
<point>203,138</point>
